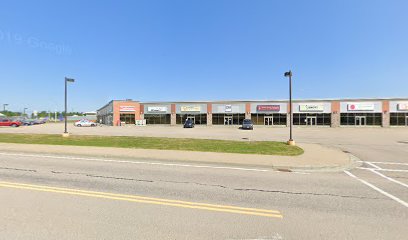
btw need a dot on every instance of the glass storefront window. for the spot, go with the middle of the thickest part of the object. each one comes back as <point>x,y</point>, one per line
<point>157,118</point>
<point>269,119</point>
<point>399,119</point>
<point>361,119</point>
<point>200,119</point>
<point>228,119</point>
<point>127,118</point>
<point>312,119</point>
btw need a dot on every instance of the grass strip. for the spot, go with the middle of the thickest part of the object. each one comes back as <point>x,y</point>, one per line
<point>184,144</point>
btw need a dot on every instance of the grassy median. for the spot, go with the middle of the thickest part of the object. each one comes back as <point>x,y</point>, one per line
<point>202,145</point>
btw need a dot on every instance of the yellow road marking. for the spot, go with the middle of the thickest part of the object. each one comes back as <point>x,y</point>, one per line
<point>141,199</point>
<point>147,198</point>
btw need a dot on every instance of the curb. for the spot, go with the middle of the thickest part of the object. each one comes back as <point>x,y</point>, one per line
<point>354,162</point>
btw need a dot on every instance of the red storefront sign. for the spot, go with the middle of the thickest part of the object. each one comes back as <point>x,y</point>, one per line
<point>268,108</point>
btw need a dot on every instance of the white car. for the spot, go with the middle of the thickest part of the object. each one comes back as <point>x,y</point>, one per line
<point>84,123</point>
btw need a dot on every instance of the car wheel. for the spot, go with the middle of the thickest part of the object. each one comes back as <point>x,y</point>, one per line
<point>79,125</point>
<point>93,125</point>
<point>14,125</point>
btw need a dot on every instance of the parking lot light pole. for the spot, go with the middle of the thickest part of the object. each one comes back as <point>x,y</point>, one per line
<point>24,111</point>
<point>4,107</point>
<point>67,80</point>
<point>291,141</point>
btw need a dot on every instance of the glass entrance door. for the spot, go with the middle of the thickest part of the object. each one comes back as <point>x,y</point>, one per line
<point>406,121</point>
<point>360,121</point>
<point>126,118</point>
<point>192,118</point>
<point>268,121</point>
<point>228,120</point>
<point>311,121</point>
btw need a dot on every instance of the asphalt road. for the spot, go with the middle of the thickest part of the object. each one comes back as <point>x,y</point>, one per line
<point>54,197</point>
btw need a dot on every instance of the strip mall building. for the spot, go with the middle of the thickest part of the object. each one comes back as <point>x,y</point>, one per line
<point>330,113</point>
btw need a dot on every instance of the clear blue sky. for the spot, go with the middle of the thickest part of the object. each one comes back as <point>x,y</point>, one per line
<point>199,50</point>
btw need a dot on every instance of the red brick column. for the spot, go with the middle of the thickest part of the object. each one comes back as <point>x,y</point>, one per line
<point>385,113</point>
<point>248,111</point>
<point>209,114</point>
<point>335,114</point>
<point>173,115</point>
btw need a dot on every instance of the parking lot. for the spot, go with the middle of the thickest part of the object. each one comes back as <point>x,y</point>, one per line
<point>322,135</point>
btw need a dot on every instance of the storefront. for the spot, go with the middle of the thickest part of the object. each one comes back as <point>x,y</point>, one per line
<point>157,114</point>
<point>361,113</point>
<point>399,113</point>
<point>228,114</point>
<point>269,114</point>
<point>119,113</point>
<point>312,114</point>
<point>195,112</point>
<point>127,115</point>
<point>334,113</point>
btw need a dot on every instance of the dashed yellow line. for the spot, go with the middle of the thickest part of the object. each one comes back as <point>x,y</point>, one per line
<point>148,200</point>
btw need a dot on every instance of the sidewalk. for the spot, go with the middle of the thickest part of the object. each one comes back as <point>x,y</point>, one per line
<point>315,158</point>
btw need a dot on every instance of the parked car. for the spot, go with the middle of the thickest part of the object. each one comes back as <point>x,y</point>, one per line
<point>5,122</point>
<point>25,121</point>
<point>39,121</point>
<point>189,124</point>
<point>247,124</point>
<point>84,123</point>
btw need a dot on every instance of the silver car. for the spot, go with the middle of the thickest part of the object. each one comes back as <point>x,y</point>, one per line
<point>84,123</point>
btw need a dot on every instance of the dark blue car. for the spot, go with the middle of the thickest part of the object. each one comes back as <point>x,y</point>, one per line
<point>188,124</point>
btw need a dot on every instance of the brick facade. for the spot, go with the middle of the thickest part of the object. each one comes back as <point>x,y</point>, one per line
<point>209,114</point>
<point>116,110</point>
<point>335,114</point>
<point>248,111</point>
<point>173,118</point>
<point>386,114</point>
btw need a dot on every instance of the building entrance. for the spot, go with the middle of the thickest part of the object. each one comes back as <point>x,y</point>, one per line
<point>311,121</point>
<point>360,121</point>
<point>192,118</point>
<point>228,120</point>
<point>268,121</point>
<point>406,121</point>
<point>127,118</point>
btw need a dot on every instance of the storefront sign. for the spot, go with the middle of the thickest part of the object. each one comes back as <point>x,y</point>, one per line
<point>311,108</point>
<point>190,108</point>
<point>360,107</point>
<point>268,108</point>
<point>157,109</point>
<point>228,108</point>
<point>126,108</point>
<point>403,107</point>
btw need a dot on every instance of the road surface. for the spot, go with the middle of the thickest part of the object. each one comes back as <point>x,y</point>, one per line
<point>63,198</point>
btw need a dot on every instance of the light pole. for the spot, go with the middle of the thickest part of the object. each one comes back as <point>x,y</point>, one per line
<point>4,107</point>
<point>289,74</point>
<point>24,111</point>
<point>66,81</point>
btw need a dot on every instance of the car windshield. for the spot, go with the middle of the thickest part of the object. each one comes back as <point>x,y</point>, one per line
<point>247,121</point>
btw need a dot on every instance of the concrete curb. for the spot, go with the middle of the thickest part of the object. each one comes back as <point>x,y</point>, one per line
<point>354,162</point>
<point>337,157</point>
